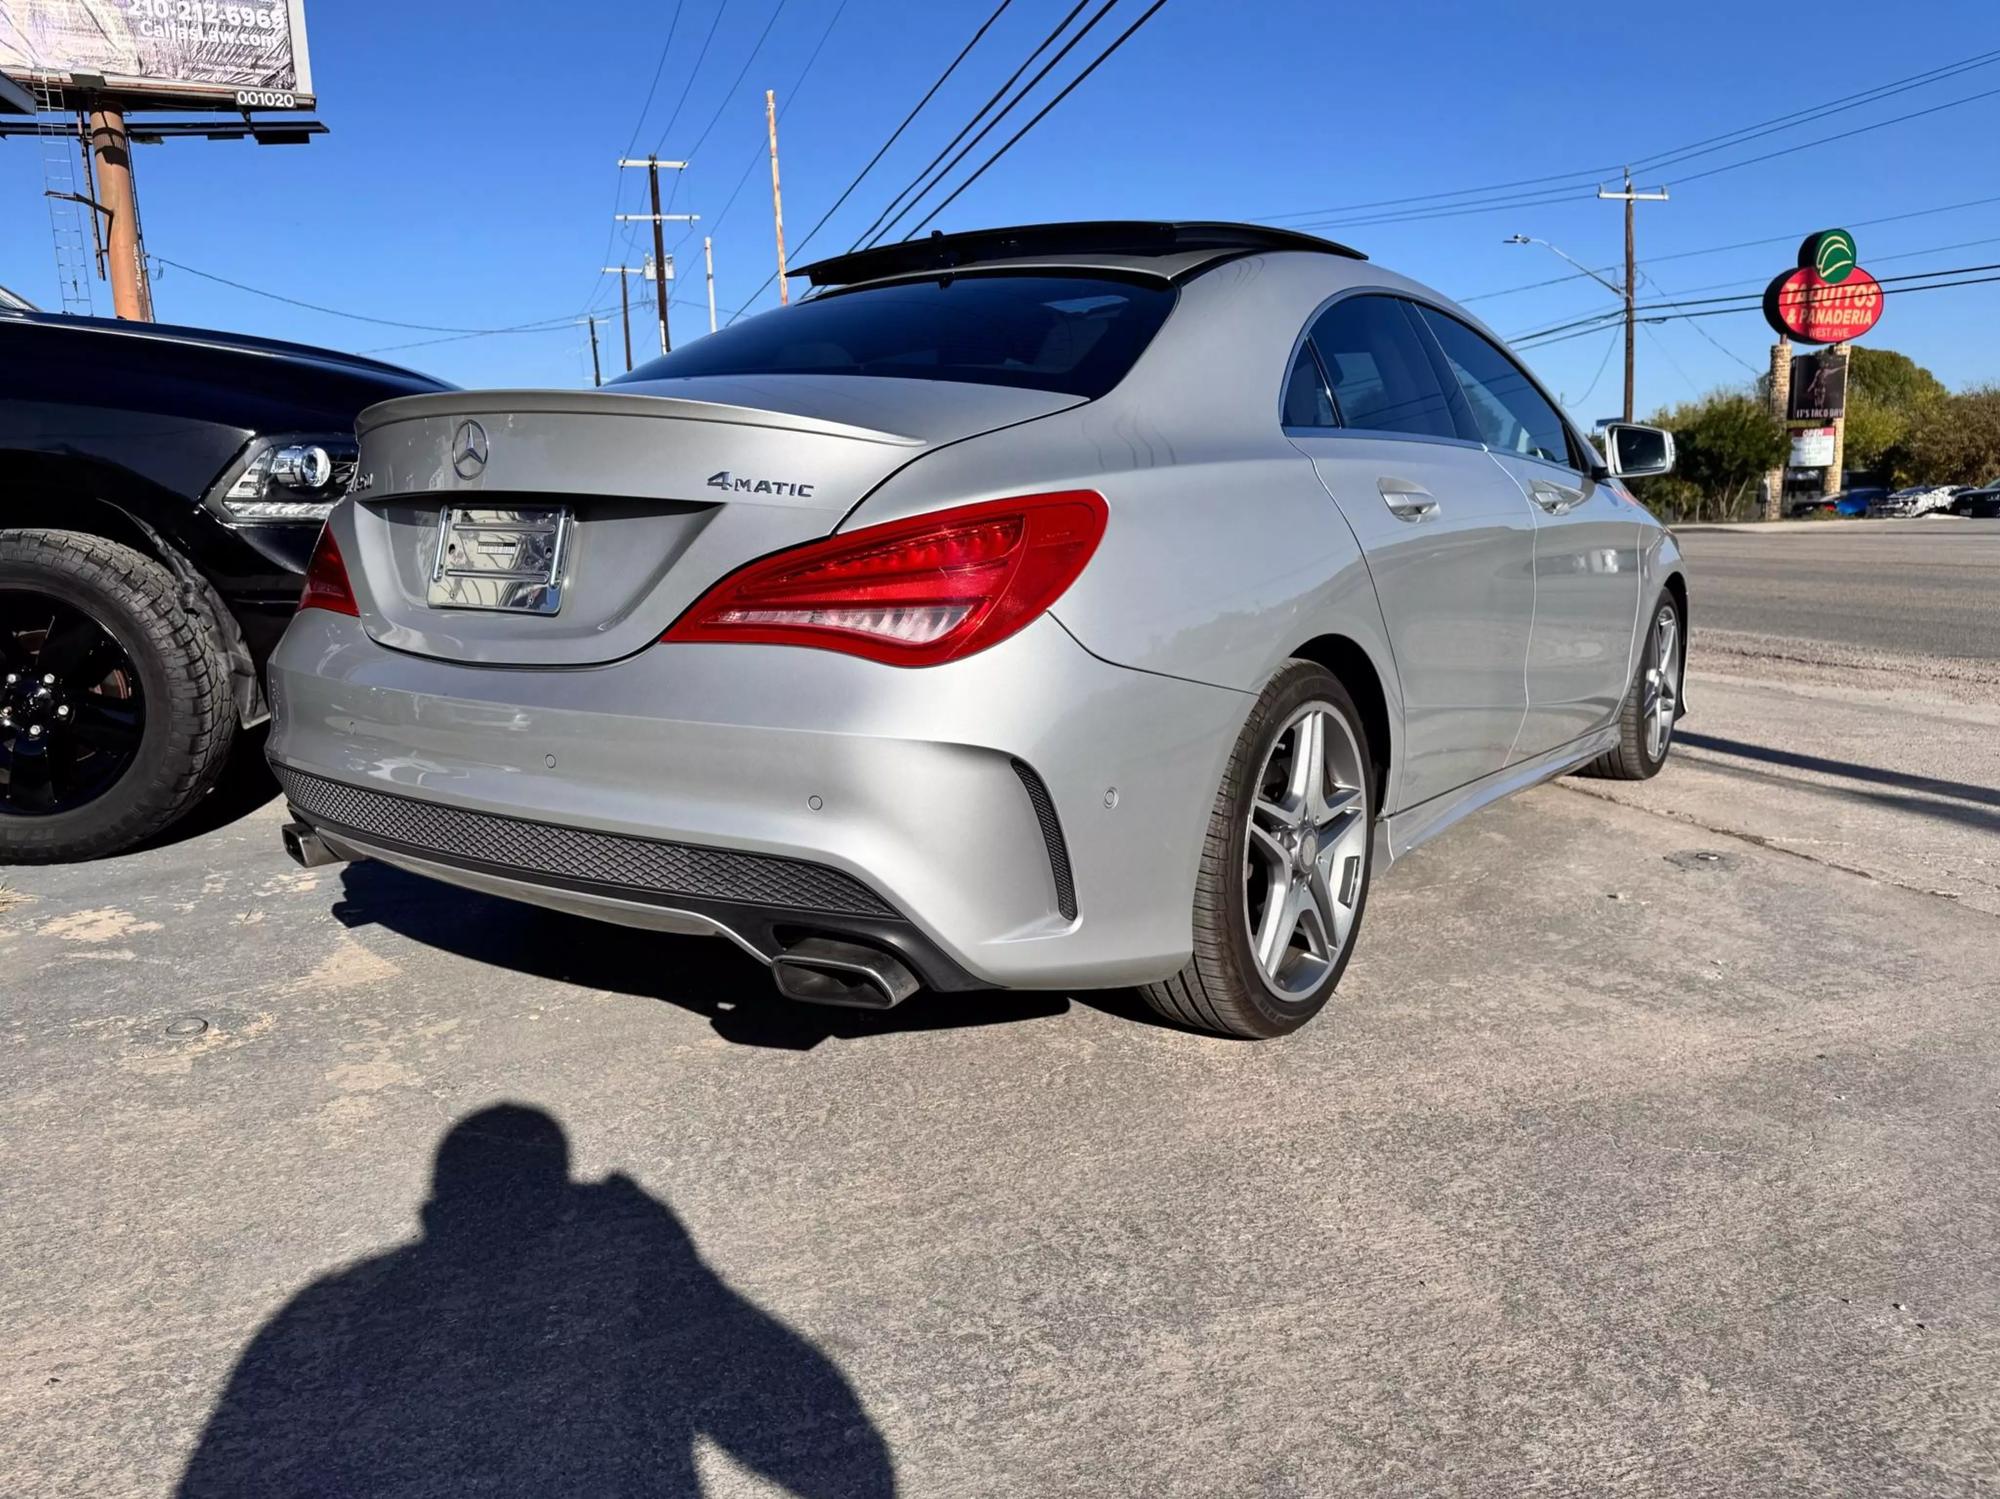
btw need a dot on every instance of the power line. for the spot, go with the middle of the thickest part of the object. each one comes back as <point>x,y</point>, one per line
<point>1027,62</point>
<point>1556,337</point>
<point>1649,164</point>
<point>1123,37</point>
<point>928,93</point>
<point>1412,216</point>
<point>741,73</point>
<point>758,155</point>
<point>357,317</point>
<point>1741,244</point>
<point>618,194</point>
<point>693,73</point>
<point>1756,292</point>
<point>894,134</point>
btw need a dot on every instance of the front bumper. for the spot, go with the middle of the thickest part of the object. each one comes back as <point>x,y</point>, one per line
<point>769,793</point>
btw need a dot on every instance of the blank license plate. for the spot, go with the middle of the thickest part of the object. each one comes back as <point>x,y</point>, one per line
<point>509,559</point>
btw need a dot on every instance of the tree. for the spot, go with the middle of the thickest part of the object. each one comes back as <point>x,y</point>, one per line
<point>1725,443</point>
<point>1956,439</point>
<point>1888,395</point>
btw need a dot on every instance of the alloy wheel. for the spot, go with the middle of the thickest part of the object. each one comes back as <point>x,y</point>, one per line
<point>1663,683</point>
<point>1305,854</point>
<point>72,712</point>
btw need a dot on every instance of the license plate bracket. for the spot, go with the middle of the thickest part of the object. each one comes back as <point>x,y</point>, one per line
<point>511,559</point>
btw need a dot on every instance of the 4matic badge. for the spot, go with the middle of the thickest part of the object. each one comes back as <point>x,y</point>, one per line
<point>726,480</point>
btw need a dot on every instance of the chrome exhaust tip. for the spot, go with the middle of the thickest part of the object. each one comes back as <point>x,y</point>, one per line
<point>821,971</point>
<point>307,848</point>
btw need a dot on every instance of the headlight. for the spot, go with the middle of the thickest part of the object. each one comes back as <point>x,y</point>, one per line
<point>294,478</point>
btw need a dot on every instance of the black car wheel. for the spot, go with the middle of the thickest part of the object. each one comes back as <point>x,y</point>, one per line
<point>115,713</point>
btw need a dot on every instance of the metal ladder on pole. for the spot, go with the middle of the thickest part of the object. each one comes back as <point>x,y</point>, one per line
<point>73,239</point>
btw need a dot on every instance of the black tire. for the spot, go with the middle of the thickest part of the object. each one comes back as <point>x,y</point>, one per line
<point>189,717</point>
<point>1222,988</point>
<point>1634,758</point>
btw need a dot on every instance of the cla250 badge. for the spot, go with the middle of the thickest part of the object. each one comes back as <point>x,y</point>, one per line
<point>726,480</point>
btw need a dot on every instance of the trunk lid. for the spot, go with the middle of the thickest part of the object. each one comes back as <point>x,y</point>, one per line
<point>663,487</point>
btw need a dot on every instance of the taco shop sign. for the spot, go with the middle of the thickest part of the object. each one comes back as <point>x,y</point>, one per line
<point>1826,298</point>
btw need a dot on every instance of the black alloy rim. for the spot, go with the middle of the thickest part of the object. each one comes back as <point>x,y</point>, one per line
<point>72,711</point>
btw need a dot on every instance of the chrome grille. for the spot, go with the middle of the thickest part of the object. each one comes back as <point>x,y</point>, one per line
<point>539,848</point>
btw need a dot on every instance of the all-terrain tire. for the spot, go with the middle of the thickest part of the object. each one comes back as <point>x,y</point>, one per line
<point>190,716</point>
<point>1221,988</point>
<point>1633,758</point>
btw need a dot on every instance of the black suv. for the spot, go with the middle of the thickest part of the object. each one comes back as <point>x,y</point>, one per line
<point>160,492</point>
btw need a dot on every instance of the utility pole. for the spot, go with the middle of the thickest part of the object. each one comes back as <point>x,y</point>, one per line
<point>1628,198</point>
<point>131,296</point>
<point>708,254</point>
<point>625,318</point>
<point>652,164</point>
<point>625,301</point>
<point>777,198</point>
<point>596,370</point>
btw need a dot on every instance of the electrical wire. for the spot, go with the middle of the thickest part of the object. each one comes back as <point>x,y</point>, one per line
<point>847,191</point>
<point>1741,244</point>
<point>1123,37</point>
<point>1887,291</point>
<point>1658,159</point>
<point>978,115</point>
<point>358,317</point>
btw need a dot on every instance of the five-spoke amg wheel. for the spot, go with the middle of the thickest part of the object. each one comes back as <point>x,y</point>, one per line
<point>1284,872</point>
<point>1646,722</point>
<point>115,715</point>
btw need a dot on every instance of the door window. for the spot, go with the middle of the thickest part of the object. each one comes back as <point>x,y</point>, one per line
<point>1509,414</point>
<point>1382,377</point>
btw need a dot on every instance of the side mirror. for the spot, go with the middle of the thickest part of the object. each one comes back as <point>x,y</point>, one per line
<point>1635,452</point>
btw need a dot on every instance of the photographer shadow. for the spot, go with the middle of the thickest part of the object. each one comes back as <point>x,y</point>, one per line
<point>543,1336</point>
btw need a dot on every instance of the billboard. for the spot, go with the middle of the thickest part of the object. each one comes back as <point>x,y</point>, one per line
<point>250,53</point>
<point>1819,387</point>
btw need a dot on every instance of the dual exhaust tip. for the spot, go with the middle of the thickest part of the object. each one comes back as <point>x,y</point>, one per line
<point>815,971</point>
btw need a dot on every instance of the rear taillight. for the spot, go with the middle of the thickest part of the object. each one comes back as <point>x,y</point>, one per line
<point>326,579</point>
<point>915,592</point>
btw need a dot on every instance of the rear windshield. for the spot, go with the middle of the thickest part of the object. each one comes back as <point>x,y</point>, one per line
<point>1073,334</point>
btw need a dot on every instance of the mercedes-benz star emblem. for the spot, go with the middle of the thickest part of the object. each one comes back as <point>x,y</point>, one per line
<point>468,450</point>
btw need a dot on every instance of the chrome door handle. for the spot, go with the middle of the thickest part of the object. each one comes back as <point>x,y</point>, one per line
<point>1407,501</point>
<point>1554,498</point>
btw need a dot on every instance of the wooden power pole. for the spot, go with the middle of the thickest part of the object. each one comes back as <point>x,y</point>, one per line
<point>1629,197</point>
<point>596,369</point>
<point>708,254</point>
<point>662,265</point>
<point>777,198</point>
<point>131,296</point>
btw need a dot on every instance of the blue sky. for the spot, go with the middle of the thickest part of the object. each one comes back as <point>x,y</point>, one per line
<point>469,181</point>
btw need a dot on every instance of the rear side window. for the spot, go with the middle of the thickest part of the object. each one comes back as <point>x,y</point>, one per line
<point>1307,403</point>
<point>1511,416</point>
<point>1077,335</point>
<point>1382,376</point>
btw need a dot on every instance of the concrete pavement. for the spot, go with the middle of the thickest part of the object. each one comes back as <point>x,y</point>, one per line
<point>1651,1146</point>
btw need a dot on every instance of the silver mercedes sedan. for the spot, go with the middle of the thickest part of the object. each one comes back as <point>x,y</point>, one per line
<point>1070,606</point>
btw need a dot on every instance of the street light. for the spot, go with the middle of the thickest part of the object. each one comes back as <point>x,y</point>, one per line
<point>1528,239</point>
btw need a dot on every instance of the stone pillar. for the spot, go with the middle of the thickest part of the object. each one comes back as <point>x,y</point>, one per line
<point>1781,397</point>
<point>1836,472</point>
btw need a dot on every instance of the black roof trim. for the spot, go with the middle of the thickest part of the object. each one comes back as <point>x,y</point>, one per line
<point>1137,237</point>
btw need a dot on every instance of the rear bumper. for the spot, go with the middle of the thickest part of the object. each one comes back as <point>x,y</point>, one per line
<point>766,793</point>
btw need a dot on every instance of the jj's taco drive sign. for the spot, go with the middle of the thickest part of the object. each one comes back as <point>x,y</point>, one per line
<point>1827,298</point>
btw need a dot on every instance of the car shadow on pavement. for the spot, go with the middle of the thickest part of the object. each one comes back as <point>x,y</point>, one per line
<point>706,975</point>
<point>543,1336</point>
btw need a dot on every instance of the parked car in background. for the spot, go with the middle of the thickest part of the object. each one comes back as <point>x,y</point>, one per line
<point>1082,605</point>
<point>1857,502</point>
<point>160,490</point>
<point>1982,501</point>
<point>1915,500</point>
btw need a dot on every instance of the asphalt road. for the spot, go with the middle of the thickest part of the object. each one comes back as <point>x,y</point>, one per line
<point>1651,1147</point>
<point>1919,587</point>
